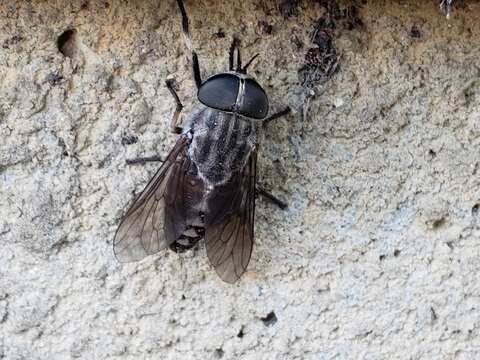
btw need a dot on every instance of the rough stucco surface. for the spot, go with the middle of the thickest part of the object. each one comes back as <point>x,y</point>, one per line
<point>378,254</point>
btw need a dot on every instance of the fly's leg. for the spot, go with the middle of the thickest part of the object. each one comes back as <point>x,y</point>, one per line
<point>276,116</point>
<point>144,160</point>
<point>188,43</point>
<point>174,125</point>
<point>175,122</point>
<point>261,191</point>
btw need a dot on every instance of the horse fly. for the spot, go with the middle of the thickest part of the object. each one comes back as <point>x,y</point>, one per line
<point>206,187</point>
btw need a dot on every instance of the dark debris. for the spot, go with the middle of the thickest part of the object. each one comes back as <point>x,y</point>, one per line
<point>129,139</point>
<point>415,32</point>
<point>220,34</point>
<point>15,39</point>
<point>265,27</point>
<point>269,320</point>
<point>54,78</point>
<point>321,62</point>
<point>219,353</point>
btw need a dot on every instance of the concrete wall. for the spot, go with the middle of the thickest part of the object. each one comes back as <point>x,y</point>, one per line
<point>377,256</point>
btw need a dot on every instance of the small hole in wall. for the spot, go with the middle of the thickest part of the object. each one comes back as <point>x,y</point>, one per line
<point>396,252</point>
<point>66,42</point>
<point>240,333</point>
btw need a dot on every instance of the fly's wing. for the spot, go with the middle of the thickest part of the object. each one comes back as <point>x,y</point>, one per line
<point>229,223</point>
<point>143,230</point>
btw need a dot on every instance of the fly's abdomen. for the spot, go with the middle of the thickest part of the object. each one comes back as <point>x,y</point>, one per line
<point>221,144</point>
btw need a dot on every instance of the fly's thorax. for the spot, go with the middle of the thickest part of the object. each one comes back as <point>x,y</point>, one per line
<point>221,143</point>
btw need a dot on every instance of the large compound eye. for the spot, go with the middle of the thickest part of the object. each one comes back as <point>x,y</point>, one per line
<point>220,92</point>
<point>255,102</point>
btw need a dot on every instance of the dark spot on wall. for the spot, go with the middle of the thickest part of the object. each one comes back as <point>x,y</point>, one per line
<point>325,289</point>
<point>265,27</point>
<point>129,139</point>
<point>219,353</point>
<point>15,39</point>
<point>219,34</point>
<point>54,78</point>
<point>450,244</point>
<point>240,333</point>
<point>381,257</point>
<point>396,252</point>
<point>438,223</point>
<point>432,153</point>
<point>66,42</point>
<point>415,32</point>
<point>475,209</point>
<point>269,320</point>
<point>84,5</point>
<point>433,314</point>
<point>62,145</point>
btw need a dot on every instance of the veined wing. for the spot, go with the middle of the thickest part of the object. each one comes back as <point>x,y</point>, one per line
<point>229,223</point>
<point>143,230</point>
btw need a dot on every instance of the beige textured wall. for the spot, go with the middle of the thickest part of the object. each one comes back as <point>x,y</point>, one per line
<point>377,256</point>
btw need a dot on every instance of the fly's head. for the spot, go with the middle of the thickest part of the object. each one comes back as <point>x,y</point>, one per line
<point>234,92</point>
